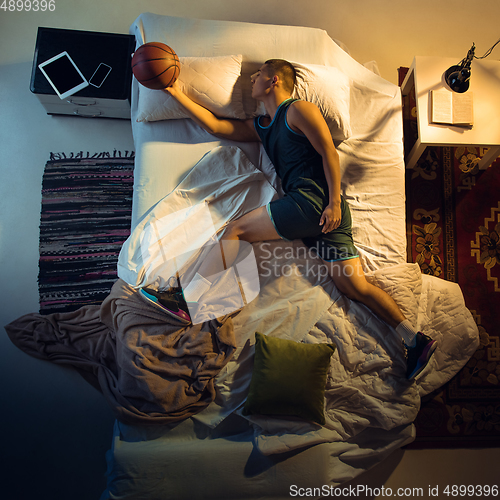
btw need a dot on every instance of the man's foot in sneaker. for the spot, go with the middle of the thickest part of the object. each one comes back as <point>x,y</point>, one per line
<point>418,356</point>
<point>172,302</point>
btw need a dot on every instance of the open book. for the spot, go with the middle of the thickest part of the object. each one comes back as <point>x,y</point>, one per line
<point>452,108</point>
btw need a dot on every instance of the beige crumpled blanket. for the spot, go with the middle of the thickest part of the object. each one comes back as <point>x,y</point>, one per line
<point>150,369</point>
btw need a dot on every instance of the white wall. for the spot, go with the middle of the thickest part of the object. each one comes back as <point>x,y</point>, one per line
<point>55,428</point>
<point>390,31</point>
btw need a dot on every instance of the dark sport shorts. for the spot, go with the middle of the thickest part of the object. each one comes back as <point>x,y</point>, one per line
<point>297,216</point>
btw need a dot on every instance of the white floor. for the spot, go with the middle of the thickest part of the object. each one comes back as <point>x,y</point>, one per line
<point>56,429</point>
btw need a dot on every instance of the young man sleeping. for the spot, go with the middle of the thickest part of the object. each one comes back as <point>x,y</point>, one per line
<point>297,140</point>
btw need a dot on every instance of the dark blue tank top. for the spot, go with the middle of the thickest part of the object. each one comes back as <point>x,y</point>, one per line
<point>297,163</point>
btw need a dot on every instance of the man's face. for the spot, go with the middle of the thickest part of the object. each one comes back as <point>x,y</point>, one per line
<point>261,83</point>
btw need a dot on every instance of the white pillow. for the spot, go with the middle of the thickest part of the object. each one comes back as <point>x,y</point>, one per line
<point>329,89</point>
<point>210,81</point>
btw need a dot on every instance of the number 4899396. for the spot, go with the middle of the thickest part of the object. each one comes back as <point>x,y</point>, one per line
<point>28,5</point>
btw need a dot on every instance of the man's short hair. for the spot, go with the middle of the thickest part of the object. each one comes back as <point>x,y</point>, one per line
<point>284,70</point>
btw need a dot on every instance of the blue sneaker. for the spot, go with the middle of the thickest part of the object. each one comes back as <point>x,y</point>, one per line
<point>419,355</point>
<point>172,302</point>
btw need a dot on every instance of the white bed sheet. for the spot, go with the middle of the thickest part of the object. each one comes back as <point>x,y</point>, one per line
<point>167,150</point>
<point>373,184</point>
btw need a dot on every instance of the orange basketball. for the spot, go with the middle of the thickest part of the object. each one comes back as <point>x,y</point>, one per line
<point>155,65</point>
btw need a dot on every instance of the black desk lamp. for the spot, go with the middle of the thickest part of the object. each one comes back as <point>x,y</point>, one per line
<point>457,77</point>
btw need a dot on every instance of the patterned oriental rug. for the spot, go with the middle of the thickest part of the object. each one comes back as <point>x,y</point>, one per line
<point>453,231</point>
<point>85,218</point>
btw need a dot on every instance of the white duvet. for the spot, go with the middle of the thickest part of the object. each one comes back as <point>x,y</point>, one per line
<point>366,386</point>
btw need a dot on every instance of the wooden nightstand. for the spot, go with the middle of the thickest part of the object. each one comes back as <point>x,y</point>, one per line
<point>426,74</point>
<point>87,49</point>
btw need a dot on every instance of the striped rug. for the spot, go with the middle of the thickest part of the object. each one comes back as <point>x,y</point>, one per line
<point>85,218</point>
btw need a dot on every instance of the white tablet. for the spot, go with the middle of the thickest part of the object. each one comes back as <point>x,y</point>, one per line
<point>63,74</point>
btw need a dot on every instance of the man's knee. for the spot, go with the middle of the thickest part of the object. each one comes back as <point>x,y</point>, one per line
<point>352,286</point>
<point>233,231</point>
<point>348,289</point>
<point>346,273</point>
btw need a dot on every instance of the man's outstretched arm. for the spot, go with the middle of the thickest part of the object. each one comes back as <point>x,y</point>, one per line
<point>224,128</point>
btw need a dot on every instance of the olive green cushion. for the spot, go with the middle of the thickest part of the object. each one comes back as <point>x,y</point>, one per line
<point>288,378</point>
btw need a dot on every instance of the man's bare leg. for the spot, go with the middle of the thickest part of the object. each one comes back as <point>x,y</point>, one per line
<point>349,278</point>
<point>251,227</point>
